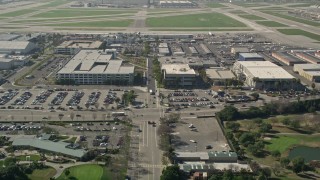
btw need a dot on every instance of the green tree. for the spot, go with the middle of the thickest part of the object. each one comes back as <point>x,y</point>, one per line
<point>295,124</point>
<point>171,173</point>
<point>247,138</point>
<point>228,113</point>
<point>284,162</point>
<point>228,175</point>
<point>276,154</point>
<point>67,172</point>
<point>234,126</point>
<point>264,128</point>
<point>298,165</point>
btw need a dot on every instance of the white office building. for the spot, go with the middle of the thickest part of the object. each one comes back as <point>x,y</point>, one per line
<point>178,75</point>
<point>96,67</point>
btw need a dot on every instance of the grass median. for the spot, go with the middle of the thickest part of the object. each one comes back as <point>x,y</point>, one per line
<point>300,33</point>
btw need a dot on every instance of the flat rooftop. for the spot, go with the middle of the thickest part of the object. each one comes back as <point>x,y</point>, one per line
<point>178,69</point>
<point>289,57</point>
<point>95,62</point>
<point>251,55</point>
<point>192,61</point>
<point>308,67</point>
<point>83,44</point>
<point>59,147</point>
<point>265,70</point>
<point>14,44</point>
<point>219,74</point>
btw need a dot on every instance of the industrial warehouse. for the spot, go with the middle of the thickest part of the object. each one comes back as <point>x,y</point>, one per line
<point>17,47</point>
<point>261,74</point>
<point>309,71</point>
<point>95,67</point>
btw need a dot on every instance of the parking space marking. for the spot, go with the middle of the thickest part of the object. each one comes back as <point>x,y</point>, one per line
<point>143,134</point>
<point>147,133</point>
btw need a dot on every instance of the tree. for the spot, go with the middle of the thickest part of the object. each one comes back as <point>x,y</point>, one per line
<point>284,162</point>
<point>247,138</point>
<point>228,113</point>
<point>276,169</point>
<point>171,173</point>
<point>255,96</point>
<point>286,121</point>
<point>67,172</point>
<point>274,120</point>
<point>228,175</point>
<point>295,124</point>
<point>266,172</point>
<point>60,116</point>
<point>264,128</point>
<point>276,154</point>
<point>234,126</point>
<point>298,165</point>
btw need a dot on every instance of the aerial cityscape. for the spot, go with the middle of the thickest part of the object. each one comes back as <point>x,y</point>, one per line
<point>159,90</point>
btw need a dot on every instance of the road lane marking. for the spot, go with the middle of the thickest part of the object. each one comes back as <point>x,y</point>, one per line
<point>147,134</point>
<point>143,135</point>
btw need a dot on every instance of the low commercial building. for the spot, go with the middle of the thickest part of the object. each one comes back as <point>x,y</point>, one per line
<point>206,49</point>
<point>17,47</point>
<point>176,75</point>
<point>207,157</point>
<point>308,57</point>
<point>164,49</point>
<point>250,57</point>
<point>96,67</point>
<point>262,74</point>
<point>309,71</point>
<point>193,62</point>
<point>66,149</point>
<point>9,62</point>
<point>237,50</point>
<point>219,76</point>
<point>74,46</point>
<point>287,58</point>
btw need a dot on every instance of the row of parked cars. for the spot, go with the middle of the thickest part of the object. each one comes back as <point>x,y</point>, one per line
<point>58,99</point>
<point>7,96</point>
<point>188,99</point>
<point>93,98</point>
<point>110,98</point>
<point>23,98</point>
<point>182,94</point>
<point>42,97</point>
<point>75,99</point>
<point>19,127</point>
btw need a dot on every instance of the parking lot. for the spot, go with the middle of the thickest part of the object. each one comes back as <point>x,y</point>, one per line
<point>194,134</point>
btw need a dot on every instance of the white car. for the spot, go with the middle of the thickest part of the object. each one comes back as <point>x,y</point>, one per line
<point>193,141</point>
<point>191,126</point>
<point>114,128</point>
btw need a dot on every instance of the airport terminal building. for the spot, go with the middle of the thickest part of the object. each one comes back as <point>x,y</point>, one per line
<point>96,67</point>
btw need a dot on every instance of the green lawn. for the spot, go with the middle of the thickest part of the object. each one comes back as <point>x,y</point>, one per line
<point>195,20</point>
<point>237,12</point>
<point>54,3</point>
<point>33,157</point>
<point>271,23</point>
<point>292,18</point>
<point>251,17</point>
<point>300,32</point>
<point>301,5</point>
<point>71,140</point>
<point>18,13</point>
<point>84,172</point>
<point>215,5</point>
<point>284,142</point>
<point>250,4</point>
<point>272,9</point>
<point>122,23</point>
<point>200,29</point>
<point>78,13</point>
<point>42,174</point>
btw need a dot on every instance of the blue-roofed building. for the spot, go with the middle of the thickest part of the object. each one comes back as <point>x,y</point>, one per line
<point>250,57</point>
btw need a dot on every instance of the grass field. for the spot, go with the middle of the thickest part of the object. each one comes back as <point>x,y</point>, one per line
<point>84,172</point>
<point>272,9</point>
<point>195,20</point>
<point>237,12</point>
<point>292,18</point>
<point>251,17</point>
<point>301,5</point>
<point>271,23</point>
<point>122,23</point>
<point>250,4</point>
<point>17,13</point>
<point>54,3</point>
<point>215,5</point>
<point>200,29</point>
<point>300,32</point>
<point>42,174</point>
<point>284,142</point>
<point>33,157</point>
<point>78,13</point>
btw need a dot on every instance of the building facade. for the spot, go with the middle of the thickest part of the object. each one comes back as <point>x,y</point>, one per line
<point>176,75</point>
